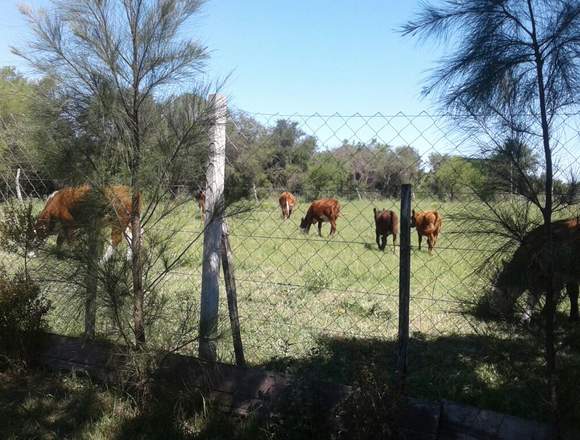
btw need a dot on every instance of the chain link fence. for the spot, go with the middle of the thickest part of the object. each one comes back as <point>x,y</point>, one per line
<point>331,303</point>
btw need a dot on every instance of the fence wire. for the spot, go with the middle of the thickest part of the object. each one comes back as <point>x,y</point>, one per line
<point>303,297</point>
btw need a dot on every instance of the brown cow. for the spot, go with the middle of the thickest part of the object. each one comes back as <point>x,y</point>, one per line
<point>386,222</point>
<point>200,197</point>
<point>428,224</point>
<point>69,208</point>
<point>287,202</point>
<point>525,271</point>
<point>323,210</point>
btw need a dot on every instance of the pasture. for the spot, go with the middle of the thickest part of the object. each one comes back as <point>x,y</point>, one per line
<point>329,306</point>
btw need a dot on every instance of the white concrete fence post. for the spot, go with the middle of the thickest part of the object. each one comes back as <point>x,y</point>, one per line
<point>18,188</point>
<point>214,199</point>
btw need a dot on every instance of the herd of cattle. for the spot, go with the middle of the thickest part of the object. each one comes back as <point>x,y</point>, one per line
<point>64,211</point>
<point>427,223</point>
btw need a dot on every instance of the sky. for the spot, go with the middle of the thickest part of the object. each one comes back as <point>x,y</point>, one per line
<point>296,57</point>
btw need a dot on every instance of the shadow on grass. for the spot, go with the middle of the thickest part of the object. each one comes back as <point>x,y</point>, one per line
<point>34,405</point>
<point>504,375</point>
<point>38,404</point>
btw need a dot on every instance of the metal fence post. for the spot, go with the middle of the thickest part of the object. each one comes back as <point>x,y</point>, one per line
<point>404,283</point>
<point>208,320</point>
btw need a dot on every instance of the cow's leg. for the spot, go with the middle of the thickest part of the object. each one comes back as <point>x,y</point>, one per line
<point>378,239</point>
<point>573,290</point>
<point>532,299</point>
<point>420,239</point>
<point>435,237</point>
<point>430,244</point>
<point>108,253</point>
<point>67,234</point>
<point>116,238</point>
<point>60,238</point>
<point>129,237</point>
<point>332,227</point>
<point>394,243</point>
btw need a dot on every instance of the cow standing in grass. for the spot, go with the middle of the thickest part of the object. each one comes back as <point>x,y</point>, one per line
<point>323,210</point>
<point>428,224</point>
<point>386,222</point>
<point>526,269</point>
<point>287,202</point>
<point>71,208</point>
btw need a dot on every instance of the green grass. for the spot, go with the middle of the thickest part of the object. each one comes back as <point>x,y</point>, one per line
<point>331,305</point>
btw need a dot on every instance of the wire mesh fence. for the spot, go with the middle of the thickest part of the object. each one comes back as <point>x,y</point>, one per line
<point>345,285</point>
<point>302,296</point>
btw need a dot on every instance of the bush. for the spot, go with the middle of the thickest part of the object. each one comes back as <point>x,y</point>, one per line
<point>316,281</point>
<point>22,314</point>
<point>17,228</point>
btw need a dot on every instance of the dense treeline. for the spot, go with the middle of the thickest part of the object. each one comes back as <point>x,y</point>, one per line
<point>56,144</point>
<point>38,135</point>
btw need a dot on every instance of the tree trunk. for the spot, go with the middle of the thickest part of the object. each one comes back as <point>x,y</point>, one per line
<point>137,273</point>
<point>550,308</point>
<point>136,244</point>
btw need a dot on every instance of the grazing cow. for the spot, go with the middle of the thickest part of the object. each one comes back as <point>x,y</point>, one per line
<point>386,222</point>
<point>200,197</point>
<point>69,208</point>
<point>323,210</point>
<point>526,270</point>
<point>428,224</point>
<point>287,202</point>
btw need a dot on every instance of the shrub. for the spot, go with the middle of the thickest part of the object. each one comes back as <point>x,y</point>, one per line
<point>17,228</point>
<point>316,281</point>
<point>22,314</point>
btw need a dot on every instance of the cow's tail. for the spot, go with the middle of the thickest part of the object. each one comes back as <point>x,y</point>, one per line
<point>337,210</point>
<point>287,208</point>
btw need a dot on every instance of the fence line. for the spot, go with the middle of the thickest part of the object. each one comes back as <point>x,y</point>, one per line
<point>293,288</point>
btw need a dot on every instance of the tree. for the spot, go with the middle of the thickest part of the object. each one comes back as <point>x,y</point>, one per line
<point>292,150</point>
<point>16,102</point>
<point>515,66</point>
<point>248,154</point>
<point>455,176</point>
<point>513,167</point>
<point>327,176</point>
<point>110,60</point>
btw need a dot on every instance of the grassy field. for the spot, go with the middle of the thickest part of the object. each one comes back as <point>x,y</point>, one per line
<point>329,306</point>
